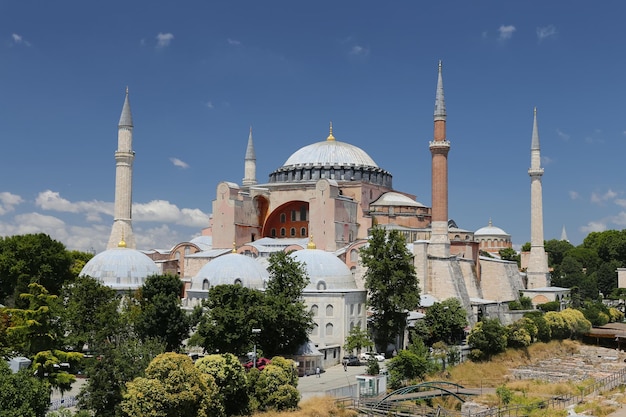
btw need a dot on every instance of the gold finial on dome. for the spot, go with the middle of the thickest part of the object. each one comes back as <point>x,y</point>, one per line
<point>122,243</point>
<point>311,244</point>
<point>331,137</point>
<point>234,247</point>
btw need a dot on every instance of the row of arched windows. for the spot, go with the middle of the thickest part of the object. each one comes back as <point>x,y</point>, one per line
<point>292,231</point>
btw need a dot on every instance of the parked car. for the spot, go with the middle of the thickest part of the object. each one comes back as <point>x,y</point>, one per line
<point>366,356</point>
<point>351,360</point>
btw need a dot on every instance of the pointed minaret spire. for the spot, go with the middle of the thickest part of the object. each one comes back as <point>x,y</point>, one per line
<point>537,271</point>
<point>124,156</point>
<point>249,163</point>
<point>440,102</point>
<point>564,235</point>
<point>439,147</point>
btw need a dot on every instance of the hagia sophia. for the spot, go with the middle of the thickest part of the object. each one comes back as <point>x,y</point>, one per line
<point>320,206</point>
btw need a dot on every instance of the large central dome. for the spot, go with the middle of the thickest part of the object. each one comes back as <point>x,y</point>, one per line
<point>330,152</point>
<point>333,160</point>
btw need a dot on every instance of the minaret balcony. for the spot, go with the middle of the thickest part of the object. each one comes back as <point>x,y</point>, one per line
<point>535,172</point>
<point>439,144</point>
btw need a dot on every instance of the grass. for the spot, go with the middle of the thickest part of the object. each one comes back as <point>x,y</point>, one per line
<point>314,407</point>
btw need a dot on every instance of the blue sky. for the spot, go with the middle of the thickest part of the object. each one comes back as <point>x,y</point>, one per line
<point>201,73</point>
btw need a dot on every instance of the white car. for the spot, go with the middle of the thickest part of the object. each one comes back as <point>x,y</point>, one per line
<point>371,355</point>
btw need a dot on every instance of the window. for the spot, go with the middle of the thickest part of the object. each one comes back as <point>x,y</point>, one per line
<point>316,330</point>
<point>329,329</point>
<point>283,232</point>
<point>187,250</point>
<point>205,284</point>
<point>329,310</point>
<point>314,309</point>
<point>354,255</point>
<point>293,215</point>
<point>303,213</point>
<point>238,282</point>
<point>321,285</point>
<point>303,232</point>
<point>283,218</point>
<point>292,232</point>
<point>352,309</point>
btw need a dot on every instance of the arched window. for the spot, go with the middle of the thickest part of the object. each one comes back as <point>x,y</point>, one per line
<point>303,231</point>
<point>177,255</point>
<point>283,218</point>
<point>321,285</point>
<point>316,330</point>
<point>329,329</point>
<point>314,310</point>
<point>351,325</point>
<point>354,255</point>
<point>283,232</point>
<point>205,284</point>
<point>187,250</point>
<point>238,282</point>
<point>352,309</point>
<point>329,310</point>
<point>292,232</point>
<point>273,232</point>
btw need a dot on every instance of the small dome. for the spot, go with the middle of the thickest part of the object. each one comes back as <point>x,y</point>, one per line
<point>490,230</point>
<point>325,270</point>
<point>120,268</point>
<point>229,269</point>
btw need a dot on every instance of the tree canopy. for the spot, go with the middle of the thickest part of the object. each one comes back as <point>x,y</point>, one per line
<point>392,283</point>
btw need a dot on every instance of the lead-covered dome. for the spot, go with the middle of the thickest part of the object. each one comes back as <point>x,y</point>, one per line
<point>331,159</point>
<point>120,268</point>
<point>490,230</point>
<point>325,270</point>
<point>230,269</point>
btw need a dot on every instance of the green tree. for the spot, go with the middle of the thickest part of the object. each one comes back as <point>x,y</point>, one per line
<point>391,282</point>
<point>576,322</point>
<point>276,386</point>
<point>510,254</point>
<point>357,339</point>
<point>558,327</point>
<point>21,394</point>
<point>32,258</point>
<point>79,259</point>
<point>90,314</point>
<point>405,366</point>
<point>232,311</point>
<point>285,321</point>
<point>160,315</point>
<point>118,362</point>
<point>230,379</point>
<point>556,250</point>
<point>446,321</point>
<point>543,329</point>
<point>487,338</point>
<point>520,333</point>
<point>172,387</point>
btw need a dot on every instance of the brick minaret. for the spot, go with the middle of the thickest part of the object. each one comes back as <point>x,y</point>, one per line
<point>249,163</point>
<point>537,271</point>
<point>439,241</point>
<point>124,157</point>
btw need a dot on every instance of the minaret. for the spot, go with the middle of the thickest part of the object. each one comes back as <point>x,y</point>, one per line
<point>124,156</point>
<point>564,235</point>
<point>537,271</point>
<point>439,241</point>
<point>249,163</point>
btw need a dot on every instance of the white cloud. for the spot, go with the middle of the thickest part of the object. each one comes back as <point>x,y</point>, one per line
<point>359,51</point>
<point>573,195</point>
<point>546,32</point>
<point>233,42</point>
<point>209,104</point>
<point>601,198</point>
<point>506,32</point>
<point>164,39</point>
<point>619,219</point>
<point>596,226</point>
<point>8,202</point>
<point>52,200</point>
<point>546,160</point>
<point>165,212</point>
<point>177,162</point>
<point>19,40</point>
<point>562,135</point>
<point>620,202</point>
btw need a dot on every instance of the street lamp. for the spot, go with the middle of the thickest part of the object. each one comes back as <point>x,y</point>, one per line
<point>255,332</point>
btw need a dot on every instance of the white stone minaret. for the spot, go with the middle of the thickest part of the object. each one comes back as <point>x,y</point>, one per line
<point>122,231</point>
<point>439,147</point>
<point>250,163</point>
<point>537,271</point>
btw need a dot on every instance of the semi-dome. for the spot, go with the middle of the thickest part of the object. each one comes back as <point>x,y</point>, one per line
<point>120,268</point>
<point>229,269</point>
<point>331,159</point>
<point>490,230</point>
<point>325,270</point>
